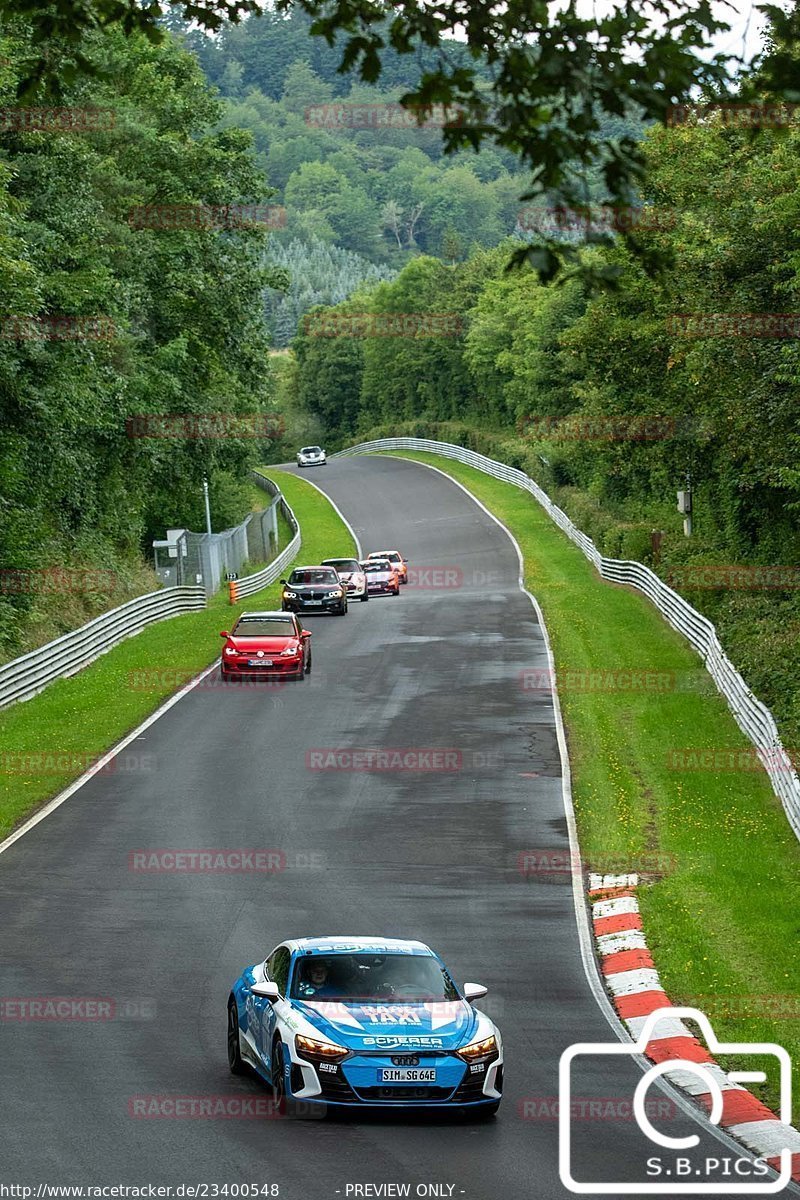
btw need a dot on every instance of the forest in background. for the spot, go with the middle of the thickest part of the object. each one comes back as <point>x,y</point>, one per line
<point>181,312</point>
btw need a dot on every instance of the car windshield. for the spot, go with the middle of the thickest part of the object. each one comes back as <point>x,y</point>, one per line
<point>311,450</point>
<point>342,564</point>
<point>377,978</point>
<point>391,555</point>
<point>264,627</point>
<point>313,575</point>
<point>375,568</point>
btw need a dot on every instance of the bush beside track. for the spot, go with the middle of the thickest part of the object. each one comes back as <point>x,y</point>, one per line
<point>719,862</point>
<point>74,721</point>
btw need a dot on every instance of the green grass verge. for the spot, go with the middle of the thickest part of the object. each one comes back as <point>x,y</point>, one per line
<point>74,721</point>
<point>721,904</point>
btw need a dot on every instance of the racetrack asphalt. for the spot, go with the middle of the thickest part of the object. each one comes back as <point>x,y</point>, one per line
<point>426,854</point>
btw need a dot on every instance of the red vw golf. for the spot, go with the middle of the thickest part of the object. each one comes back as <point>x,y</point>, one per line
<point>267,643</point>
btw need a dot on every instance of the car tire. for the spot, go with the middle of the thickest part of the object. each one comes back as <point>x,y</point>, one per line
<point>308,665</point>
<point>278,1079</point>
<point>396,591</point>
<point>342,611</point>
<point>236,1063</point>
<point>365,597</point>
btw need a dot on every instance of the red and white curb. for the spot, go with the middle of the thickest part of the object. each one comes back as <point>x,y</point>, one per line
<point>636,992</point>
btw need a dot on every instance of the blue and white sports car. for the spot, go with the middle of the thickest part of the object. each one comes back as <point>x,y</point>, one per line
<point>364,1021</point>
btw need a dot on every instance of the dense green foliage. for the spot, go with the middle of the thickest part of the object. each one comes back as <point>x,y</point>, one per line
<point>535,79</point>
<point>187,330</point>
<point>607,402</point>
<point>349,172</point>
<point>318,274</point>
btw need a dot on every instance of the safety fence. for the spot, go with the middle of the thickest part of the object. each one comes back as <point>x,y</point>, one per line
<point>28,675</point>
<point>240,588</point>
<point>753,718</point>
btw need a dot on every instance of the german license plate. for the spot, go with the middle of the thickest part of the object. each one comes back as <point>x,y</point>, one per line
<point>310,602</point>
<point>406,1075</point>
<point>259,662</point>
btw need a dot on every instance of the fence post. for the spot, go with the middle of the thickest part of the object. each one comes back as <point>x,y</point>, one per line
<point>232,594</point>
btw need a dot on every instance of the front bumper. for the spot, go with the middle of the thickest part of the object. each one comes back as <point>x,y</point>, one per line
<point>311,462</point>
<point>279,667</point>
<point>356,1081</point>
<point>301,604</point>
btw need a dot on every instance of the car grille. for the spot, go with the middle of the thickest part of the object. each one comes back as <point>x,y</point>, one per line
<point>411,1095</point>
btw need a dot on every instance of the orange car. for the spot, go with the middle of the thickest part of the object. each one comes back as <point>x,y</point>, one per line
<point>396,559</point>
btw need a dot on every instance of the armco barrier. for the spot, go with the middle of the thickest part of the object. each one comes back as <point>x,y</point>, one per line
<point>28,675</point>
<point>239,588</point>
<point>753,718</point>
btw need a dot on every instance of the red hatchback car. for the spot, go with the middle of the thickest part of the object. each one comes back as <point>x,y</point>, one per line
<point>267,643</point>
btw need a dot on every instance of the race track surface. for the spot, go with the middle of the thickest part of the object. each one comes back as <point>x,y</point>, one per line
<point>421,854</point>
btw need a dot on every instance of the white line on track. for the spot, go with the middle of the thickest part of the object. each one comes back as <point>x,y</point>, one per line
<point>581,913</point>
<point>58,800</point>
<point>335,508</point>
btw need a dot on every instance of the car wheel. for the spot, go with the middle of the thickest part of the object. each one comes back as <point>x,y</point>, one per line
<point>235,1060</point>
<point>365,596</point>
<point>396,591</point>
<point>308,665</point>
<point>278,1081</point>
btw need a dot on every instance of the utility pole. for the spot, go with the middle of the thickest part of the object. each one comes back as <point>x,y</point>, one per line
<point>208,506</point>
<point>685,505</point>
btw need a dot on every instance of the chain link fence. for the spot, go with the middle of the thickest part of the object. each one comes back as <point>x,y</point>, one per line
<point>206,559</point>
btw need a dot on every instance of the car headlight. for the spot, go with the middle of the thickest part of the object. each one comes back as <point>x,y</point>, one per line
<point>230,650</point>
<point>290,595</point>
<point>334,595</point>
<point>289,652</point>
<point>478,1050</point>
<point>314,1049</point>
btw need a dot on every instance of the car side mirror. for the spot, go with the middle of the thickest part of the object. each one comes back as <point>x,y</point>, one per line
<point>305,633</point>
<point>225,634</point>
<point>474,991</point>
<point>281,581</point>
<point>267,989</point>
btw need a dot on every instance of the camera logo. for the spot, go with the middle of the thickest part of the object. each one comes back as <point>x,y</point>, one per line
<point>708,1077</point>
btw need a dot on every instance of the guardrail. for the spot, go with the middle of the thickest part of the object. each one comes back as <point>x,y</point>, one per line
<point>30,674</point>
<point>753,718</point>
<point>238,589</point>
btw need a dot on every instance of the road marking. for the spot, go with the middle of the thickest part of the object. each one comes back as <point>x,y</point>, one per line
<point>78,783</point>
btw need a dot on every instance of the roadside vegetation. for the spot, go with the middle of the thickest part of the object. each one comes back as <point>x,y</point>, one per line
<point>720,863</point>
<point>74,721</point>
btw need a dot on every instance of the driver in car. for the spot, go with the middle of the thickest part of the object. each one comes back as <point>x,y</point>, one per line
<point>316,983</point>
